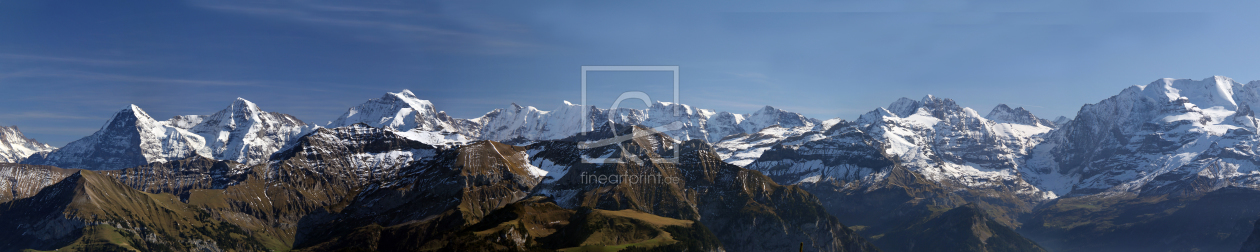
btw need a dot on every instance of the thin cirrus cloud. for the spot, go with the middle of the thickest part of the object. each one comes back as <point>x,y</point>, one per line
<point>482,37</point>
<point>73,60</point>
<point>96,76</point>
<point>48,115</point>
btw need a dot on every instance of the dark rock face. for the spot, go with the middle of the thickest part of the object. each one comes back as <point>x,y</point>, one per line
<point>460,187</point>
<point>1220,220</point>
<point>180,177</point>
<point>963,228</point>
<point>1253,242</point>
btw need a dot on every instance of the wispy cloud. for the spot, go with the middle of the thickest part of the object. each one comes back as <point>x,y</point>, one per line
<point>47,115</point>
<point>364,9</point>
<point>125,78</point>
<point>146,79</point>
<point>75,60</point>
<point>484,37</point>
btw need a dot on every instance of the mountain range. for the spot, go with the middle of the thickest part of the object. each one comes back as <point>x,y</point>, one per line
<point>1129,173</point>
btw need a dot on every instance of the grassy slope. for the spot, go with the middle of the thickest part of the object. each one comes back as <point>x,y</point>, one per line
<point>533,224</point>
<point>120,218</point>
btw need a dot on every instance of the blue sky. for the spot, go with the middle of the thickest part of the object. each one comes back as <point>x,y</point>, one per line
<point>66,66</point>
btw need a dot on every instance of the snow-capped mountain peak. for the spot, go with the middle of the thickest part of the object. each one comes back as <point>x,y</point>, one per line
<point>1207,93</point>
<point>1060,121</point>
<point>401,111</point>
<point>129,114</point>
<point>770,116</point>
<point>241,111</point>
<point>241,132</point>
<point>15,147</point>
<point>245,133</point>
<point>1005,114</point>
<point>932,136</point>
<point>1154,138</point>
<point>903,107</point>
<point>245,106</point>
<point>130,138</point>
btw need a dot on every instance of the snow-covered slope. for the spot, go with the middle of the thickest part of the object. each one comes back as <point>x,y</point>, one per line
<point>1005,114</point>
<point>400,111</point>
<point>945,143</point>
<point>410,116</point>
<point>130,138</point>
<point>770,116</point>
<point>15,147</point>
<point>742,149</point>
<point>681,122</point>
<point>242,132</point>
<point>531,124</point>
<point>1174,136</point>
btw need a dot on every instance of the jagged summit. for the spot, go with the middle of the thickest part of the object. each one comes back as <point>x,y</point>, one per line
<point>15,147</point>
<point>1158,137</point>
<point>126,114</point>
<point>404,112</point>
<point>1005,114</point>
<point>401,111</point>
<point>770,116</point>
<point>1206,93</point>
<point>245,133</point>
<point>241,104</point>
<point>130,138</point>
<point>240,132</point>
<point>903,107</point>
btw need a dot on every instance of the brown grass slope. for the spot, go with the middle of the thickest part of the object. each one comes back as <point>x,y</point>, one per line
<point>320,173</point>
<point>88,211</point>
<point>746,210</point>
